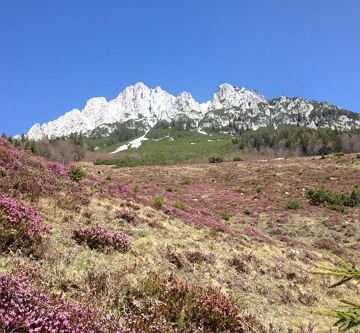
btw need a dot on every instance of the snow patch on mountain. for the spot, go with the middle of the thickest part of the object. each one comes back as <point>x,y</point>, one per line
<point>136,143</point>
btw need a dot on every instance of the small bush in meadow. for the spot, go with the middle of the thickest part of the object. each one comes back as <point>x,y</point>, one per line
<point>101,238</point>
<point>187,181</point>
<point>131,204</point>
<point>136,188</point>
<point>239,265</point>
<point>77,174</point>
<point>174,257</point>
<point>333,199</point>
<point>216,159</point>
<point>237,159</point>
<point>199,257</point>
<point>225,215</point>
<point>258,189</point>
<point>126,214</point>
<point>239,190</point>
<point>293,204</point>
<point>158,202</point>
<point>21,226</point>
<point>179,205</point>
<point>247,211</point>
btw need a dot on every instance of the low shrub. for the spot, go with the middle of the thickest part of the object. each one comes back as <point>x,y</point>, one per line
<point>187,181</point>
<point>293,204</point>
<point>172,305</point>
<point>330,246</point>
<point>174,257</point>
<point>179,205</point>
<point>225,215</point>
<point>239,265</point>
<point>126,214</point>
<point>124,190</point>
<point>136,188</point>
<point>131,204</point>
<point>77,174</point>
<point>21,226</point>
<point>333,199</point>
<point>158,202</point>
<point>199,257</point>
<point>216,159</point>
<point>237,159</point>
<point>101,238</point>
<point>258,189</point>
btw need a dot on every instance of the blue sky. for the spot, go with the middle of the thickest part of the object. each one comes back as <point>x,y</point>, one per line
<point>56,54</point>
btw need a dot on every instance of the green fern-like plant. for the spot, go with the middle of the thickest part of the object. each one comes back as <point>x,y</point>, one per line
<point>345,272</point>
<point>349,315</point>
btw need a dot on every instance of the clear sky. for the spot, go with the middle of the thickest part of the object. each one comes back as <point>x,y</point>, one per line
<point>55,54</point>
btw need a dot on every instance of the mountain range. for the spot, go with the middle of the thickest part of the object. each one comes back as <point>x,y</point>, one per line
<point>232,109</point>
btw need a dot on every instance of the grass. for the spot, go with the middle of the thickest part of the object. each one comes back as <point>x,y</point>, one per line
<point>173,147</point>
<point>293,204</point>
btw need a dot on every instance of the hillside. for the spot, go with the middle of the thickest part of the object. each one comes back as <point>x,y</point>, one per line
<point>230,247</point>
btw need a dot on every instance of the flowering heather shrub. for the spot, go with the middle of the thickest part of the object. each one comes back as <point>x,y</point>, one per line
<point>291,241</point>
<point>257,235</point>
<point>101,238</point>
<point>199,257</point>
<point>195,218</point>
<point>126,214</point>
<point>23,174</point>
<point>24,308</point>
<point>124,190</point>
<point>331,246</point>
<point>185,308</point>
<point>58,169</point>
<point>20,224</point>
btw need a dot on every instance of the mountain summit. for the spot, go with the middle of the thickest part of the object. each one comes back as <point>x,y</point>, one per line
<point>231,109</point>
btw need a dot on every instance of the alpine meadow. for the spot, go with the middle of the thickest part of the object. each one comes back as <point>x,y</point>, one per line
<point>140,198</point>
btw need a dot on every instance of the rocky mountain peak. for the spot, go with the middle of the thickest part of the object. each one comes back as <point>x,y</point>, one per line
<point>240,107</point>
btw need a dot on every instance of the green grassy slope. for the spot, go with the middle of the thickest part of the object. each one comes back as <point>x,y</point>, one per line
<point>172,146</point>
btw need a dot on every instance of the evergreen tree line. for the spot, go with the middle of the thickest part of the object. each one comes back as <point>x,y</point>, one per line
<point>297,140</point>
